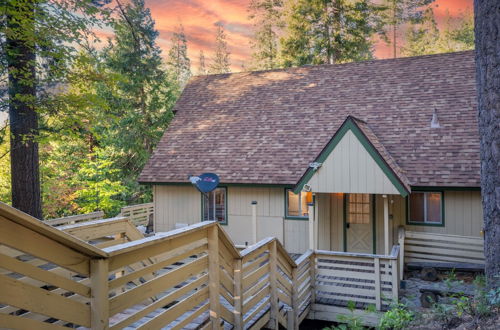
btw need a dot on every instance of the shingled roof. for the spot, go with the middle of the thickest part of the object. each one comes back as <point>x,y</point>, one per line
<point>266,127</point>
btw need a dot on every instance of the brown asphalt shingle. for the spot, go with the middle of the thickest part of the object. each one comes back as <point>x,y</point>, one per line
<point>266,127</point>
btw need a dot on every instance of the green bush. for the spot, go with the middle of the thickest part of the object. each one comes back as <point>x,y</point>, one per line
<point>398,317</point>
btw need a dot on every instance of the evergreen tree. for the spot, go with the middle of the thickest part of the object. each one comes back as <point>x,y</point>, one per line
<point>220,62</point>
<point>38,40</point>
<point>399,12</point>
<point>202,69</point>
<point>267,22</point>
<point>178,60</point>
<point>328,31</point>
<point>145,93</point>
<point>427,38</point>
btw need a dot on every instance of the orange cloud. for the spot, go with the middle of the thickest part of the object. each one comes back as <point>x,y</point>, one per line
<point>199,17</point>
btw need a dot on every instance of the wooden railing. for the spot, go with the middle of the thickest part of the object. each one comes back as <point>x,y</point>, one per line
<point>192,276</point>
<point>356,279</point>
<point>44,275</point>
<point>139,214</point>
<point>75,219</point>
<point>423,247</point>
<point>104,233</point>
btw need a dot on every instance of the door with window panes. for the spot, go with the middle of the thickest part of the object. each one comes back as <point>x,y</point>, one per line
<point>359,223</point>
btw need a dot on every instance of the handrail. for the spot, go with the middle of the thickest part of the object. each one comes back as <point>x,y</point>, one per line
<point>75,218</point>
<point>160,237</point>
<point>186,267</point>
<point>393,255</point>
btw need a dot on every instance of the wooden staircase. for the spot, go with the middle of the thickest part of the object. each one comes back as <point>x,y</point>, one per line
<point>104,274</point>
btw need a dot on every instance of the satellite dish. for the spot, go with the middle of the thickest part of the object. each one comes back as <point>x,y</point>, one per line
<point>206,182</point>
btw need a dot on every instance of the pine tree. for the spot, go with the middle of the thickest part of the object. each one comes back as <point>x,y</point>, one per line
<point>178,60</point>
<point>426,37</point>
<point>145,93</point>
<point>38,41</point>
<point>328,31</point>
<point>267,17</point>
<point>399,12</point>
<point>220,62</point>
<point>202,69</point>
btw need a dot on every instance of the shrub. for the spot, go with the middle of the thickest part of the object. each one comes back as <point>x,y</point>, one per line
<point>398,317</point>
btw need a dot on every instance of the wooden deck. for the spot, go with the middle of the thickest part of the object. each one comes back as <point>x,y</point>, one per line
<point>104,274</point>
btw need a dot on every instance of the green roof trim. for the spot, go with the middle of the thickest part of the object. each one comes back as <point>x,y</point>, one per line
<point>350,125</point>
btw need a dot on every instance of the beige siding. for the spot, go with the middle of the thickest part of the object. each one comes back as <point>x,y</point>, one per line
<point>463,215</point>
<point>350,169</point>
<point>296,236</point>
<point>182,204</point>
<point>337,222</point>
<point>323,209</point>
<point>175,204</point>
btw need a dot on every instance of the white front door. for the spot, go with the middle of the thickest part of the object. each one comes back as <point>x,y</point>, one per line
<point>359,223</point>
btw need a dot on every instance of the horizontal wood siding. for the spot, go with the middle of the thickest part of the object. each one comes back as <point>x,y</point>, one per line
<point>350,169</point>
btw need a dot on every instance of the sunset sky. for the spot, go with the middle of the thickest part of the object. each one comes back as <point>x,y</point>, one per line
<point>200,16</point>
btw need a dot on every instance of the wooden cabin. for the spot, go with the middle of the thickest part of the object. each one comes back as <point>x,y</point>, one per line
<point>332,157</point>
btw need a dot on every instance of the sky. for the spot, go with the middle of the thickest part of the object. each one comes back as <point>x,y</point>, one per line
<point>200,16</point>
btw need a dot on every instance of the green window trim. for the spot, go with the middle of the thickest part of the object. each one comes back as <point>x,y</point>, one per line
<point>289,217</point>
<point>428,224</point>
<point>202,199</point>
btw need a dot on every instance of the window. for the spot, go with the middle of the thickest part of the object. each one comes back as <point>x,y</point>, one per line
<point>214,205</point>
<point>426,208</point>
<point>296,204</point>
<point>358,208</point>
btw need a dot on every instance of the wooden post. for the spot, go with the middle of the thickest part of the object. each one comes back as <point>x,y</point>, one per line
<point>386,225</point>
<point>312,272</point>
<point>295,302</point>
<point>213,276</point>
<point>254,221</point>
<point>99,303</point>
<point>378,302</point>
<point>395,280</point>
<point>311,226</point>
<point>316,224</point>
<point>238,294</point>
<point>273,264</point>
<point>401,241</point>
<point>290,318</point>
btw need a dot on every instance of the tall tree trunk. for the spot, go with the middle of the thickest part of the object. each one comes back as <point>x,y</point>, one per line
<point>22,115</point>
<point>487,33</point>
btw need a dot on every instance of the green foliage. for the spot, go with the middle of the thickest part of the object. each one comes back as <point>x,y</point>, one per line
<point>397,317</point>
<point>178,60</point>
<point>320,32</point>
<point>220,62</point>
<point>425,37</point>
<point>397,13</point>
<point>101,187</point>
<point>101,123</point>
<point>478,306</point>
<point>267,18</point>
<point>5,194</point>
